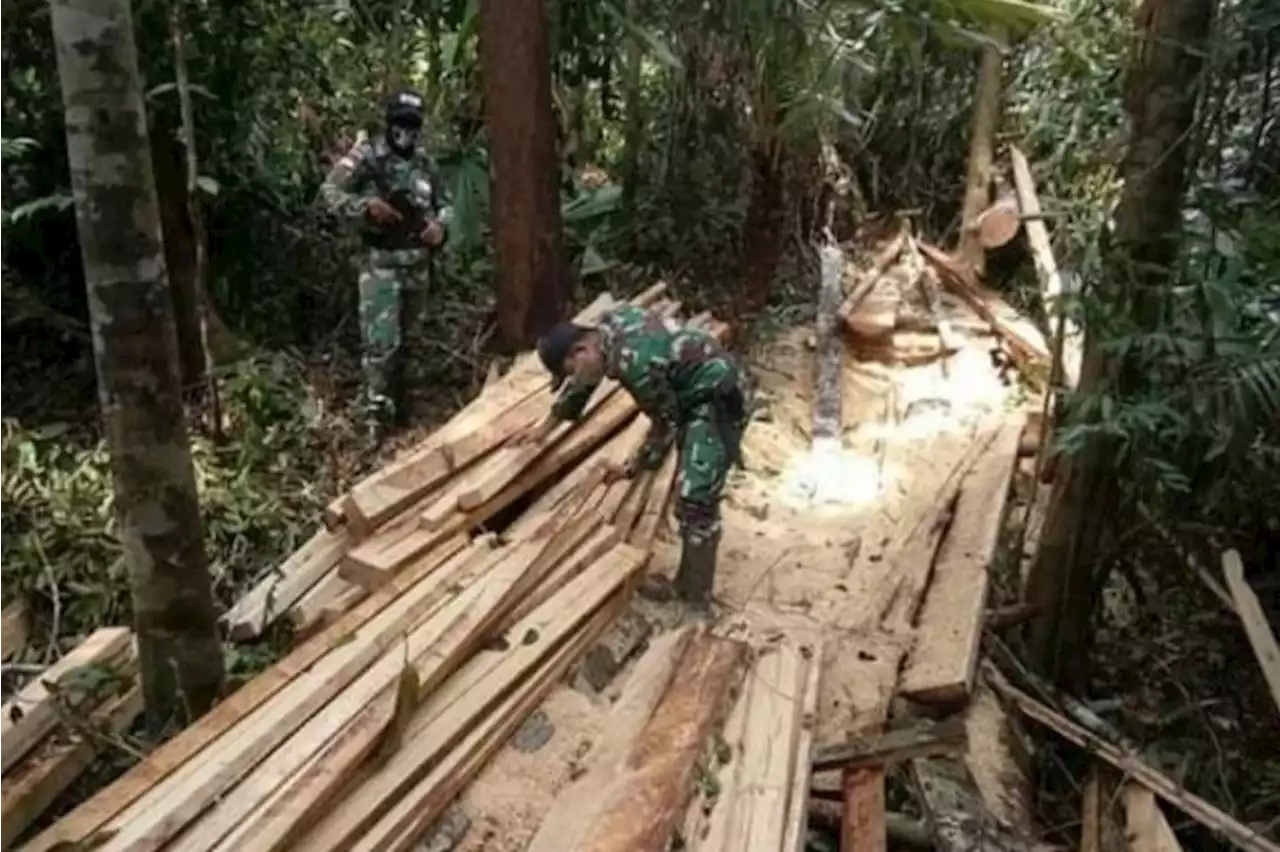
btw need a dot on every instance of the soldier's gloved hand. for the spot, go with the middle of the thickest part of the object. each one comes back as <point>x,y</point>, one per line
<point>433,234</point>
<point>382,212</point>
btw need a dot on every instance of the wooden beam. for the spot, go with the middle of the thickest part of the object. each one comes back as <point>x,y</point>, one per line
<point>1026,342</point>
<point>955,810</point>
<point>38,781</point>
<point>944,659</point>
<point>1254,619</point>
<point>451,710</point>
<point>31,714</point>
<point>1051,285</point>
<point>920,739</point>
<point>647,800</point>
<point>575,809</point>
<point>1145,825</point>
<point>1163,786</point>
<point>307,566</point>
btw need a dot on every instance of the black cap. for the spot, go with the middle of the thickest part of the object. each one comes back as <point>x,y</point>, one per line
<point>556,345</point>
<point>406,107</point>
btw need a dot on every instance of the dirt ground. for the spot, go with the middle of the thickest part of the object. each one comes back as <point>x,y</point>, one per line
<point>807,541</point>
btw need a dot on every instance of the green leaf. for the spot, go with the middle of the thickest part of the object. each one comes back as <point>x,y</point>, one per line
<point>207,185</point>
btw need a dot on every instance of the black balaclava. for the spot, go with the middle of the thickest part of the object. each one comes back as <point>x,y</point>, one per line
<point>404,121</point>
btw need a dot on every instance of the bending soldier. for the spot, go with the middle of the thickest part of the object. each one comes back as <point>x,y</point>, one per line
<point>386,186</point>
<point>691,390</point>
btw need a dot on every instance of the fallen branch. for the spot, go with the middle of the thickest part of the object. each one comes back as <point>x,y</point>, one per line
<point>1128,763</point>
<point>1255,622</point>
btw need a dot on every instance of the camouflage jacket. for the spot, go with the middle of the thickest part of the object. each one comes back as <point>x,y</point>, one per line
<point>668,369</point>
<point>372,170</point>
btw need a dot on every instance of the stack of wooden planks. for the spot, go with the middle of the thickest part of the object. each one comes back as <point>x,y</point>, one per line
<point>439,640</point>
<point>460,477</point>
<point>52,728</point>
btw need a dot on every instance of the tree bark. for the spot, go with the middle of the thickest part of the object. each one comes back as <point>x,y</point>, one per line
<point>1085,511</point>
<point>762,233</point>
<point>986,117</point>
<point>135,347</point>
<point>532,276</point>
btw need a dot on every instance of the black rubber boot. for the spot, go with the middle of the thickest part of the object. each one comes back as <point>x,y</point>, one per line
<point>697,574</point>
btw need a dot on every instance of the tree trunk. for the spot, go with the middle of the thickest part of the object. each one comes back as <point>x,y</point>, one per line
<point>179,254</point>
<point>762,234</point>
<point>1085,512</point>
<point>986,117</point>
<point>532,280</point>
<point>131,313</point>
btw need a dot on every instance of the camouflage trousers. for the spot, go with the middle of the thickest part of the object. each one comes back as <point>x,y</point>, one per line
<point>393,303</point>
<point>710,445</point>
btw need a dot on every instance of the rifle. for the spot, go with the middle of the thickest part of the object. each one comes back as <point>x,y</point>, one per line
<point>414,212</point>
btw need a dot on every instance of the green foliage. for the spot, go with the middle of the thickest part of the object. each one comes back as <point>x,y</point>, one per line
<point>259,495</point>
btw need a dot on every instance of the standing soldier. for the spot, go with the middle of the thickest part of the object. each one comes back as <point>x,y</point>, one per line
<point>386,186</point>
<point>690,389</point>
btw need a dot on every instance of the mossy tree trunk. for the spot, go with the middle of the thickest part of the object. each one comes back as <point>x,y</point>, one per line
<point>135,347</point>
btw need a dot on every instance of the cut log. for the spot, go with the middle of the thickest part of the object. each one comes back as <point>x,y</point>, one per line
<point>1256,626</point>
<point>1132,766</point>
<point>14,627</point>
<point>41,778</point>
<point>999,223</point>
<point>1145,825</point>
<point>465,698</point>
<point>576,808</point>
<point>827,407</point>
<point>1026,343</point>
<point>945,657</point>
<point>1051,283</point>
<point>31,714</point>
<point>646,801</point>
<point>286,585</point>
<point>921,739</point>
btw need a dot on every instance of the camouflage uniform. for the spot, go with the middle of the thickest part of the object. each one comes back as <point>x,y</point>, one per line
<point>395,271</point>
<point>691,391</point>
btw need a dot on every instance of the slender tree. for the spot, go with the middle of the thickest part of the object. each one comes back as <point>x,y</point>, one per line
<point>135,347</point>
<point>515,62</point>
<point>1085,512</point>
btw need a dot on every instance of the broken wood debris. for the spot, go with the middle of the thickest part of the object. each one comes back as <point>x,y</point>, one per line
<point>1137,770</point>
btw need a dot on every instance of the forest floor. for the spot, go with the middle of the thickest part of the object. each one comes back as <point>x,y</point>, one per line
<point>788,564</point>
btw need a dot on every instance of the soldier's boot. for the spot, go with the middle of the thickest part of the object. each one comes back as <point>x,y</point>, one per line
<point>697,573</point>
